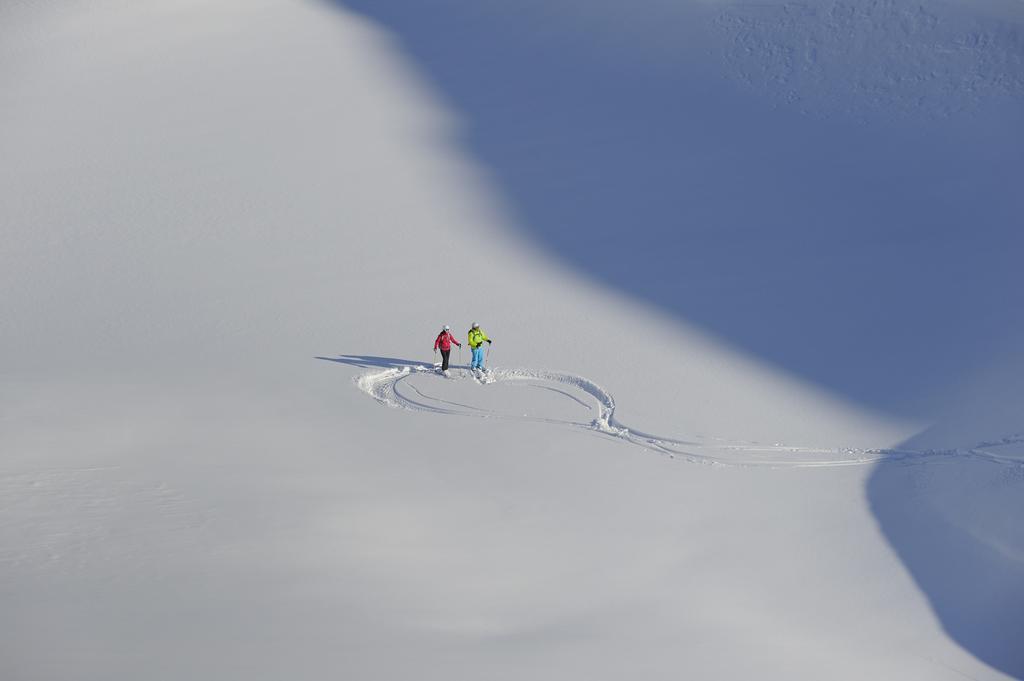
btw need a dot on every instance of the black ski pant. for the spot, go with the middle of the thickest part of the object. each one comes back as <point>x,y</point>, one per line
<point>444,358</point>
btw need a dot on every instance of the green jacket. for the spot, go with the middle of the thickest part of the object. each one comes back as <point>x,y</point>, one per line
<point>477,338</point>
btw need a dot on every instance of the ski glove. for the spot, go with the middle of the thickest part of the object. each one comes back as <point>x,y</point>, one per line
<point>489,341</point>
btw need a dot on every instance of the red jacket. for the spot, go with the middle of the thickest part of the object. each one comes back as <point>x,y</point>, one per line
<point>445,340</point>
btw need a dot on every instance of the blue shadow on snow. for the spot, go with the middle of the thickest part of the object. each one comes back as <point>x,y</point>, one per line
<point>855,228</point>
<point>369,361</point>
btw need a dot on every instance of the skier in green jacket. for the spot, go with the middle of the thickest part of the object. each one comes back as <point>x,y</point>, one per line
<point>477,338</point>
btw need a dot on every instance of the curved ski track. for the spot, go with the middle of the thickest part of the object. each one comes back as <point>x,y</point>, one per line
<point>390,388</point>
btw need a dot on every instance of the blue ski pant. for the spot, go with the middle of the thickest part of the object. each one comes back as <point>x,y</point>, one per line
<point>478,357</point>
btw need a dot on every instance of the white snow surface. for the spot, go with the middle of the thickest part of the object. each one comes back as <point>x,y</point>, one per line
<point>230,232</point>
<point>420,388</point>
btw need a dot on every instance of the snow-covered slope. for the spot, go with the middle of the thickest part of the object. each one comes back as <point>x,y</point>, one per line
<point>230,233</point>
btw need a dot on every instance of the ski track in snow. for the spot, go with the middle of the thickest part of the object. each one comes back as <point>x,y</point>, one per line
<point>391,388</point>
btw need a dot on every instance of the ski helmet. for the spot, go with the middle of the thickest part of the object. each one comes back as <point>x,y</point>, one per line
<point>447,328</point>
<point>475,325</point>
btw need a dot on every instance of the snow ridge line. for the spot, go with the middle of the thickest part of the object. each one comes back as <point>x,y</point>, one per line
<point>384,387</point>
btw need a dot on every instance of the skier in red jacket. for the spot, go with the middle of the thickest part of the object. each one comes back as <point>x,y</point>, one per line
<point>444,341</point>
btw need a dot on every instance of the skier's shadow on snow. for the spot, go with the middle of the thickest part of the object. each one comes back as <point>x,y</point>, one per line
<point>369,361</point>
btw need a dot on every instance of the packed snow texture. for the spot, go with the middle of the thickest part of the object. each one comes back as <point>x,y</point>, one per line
<point>420,388</point>
<point>779,238</point>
